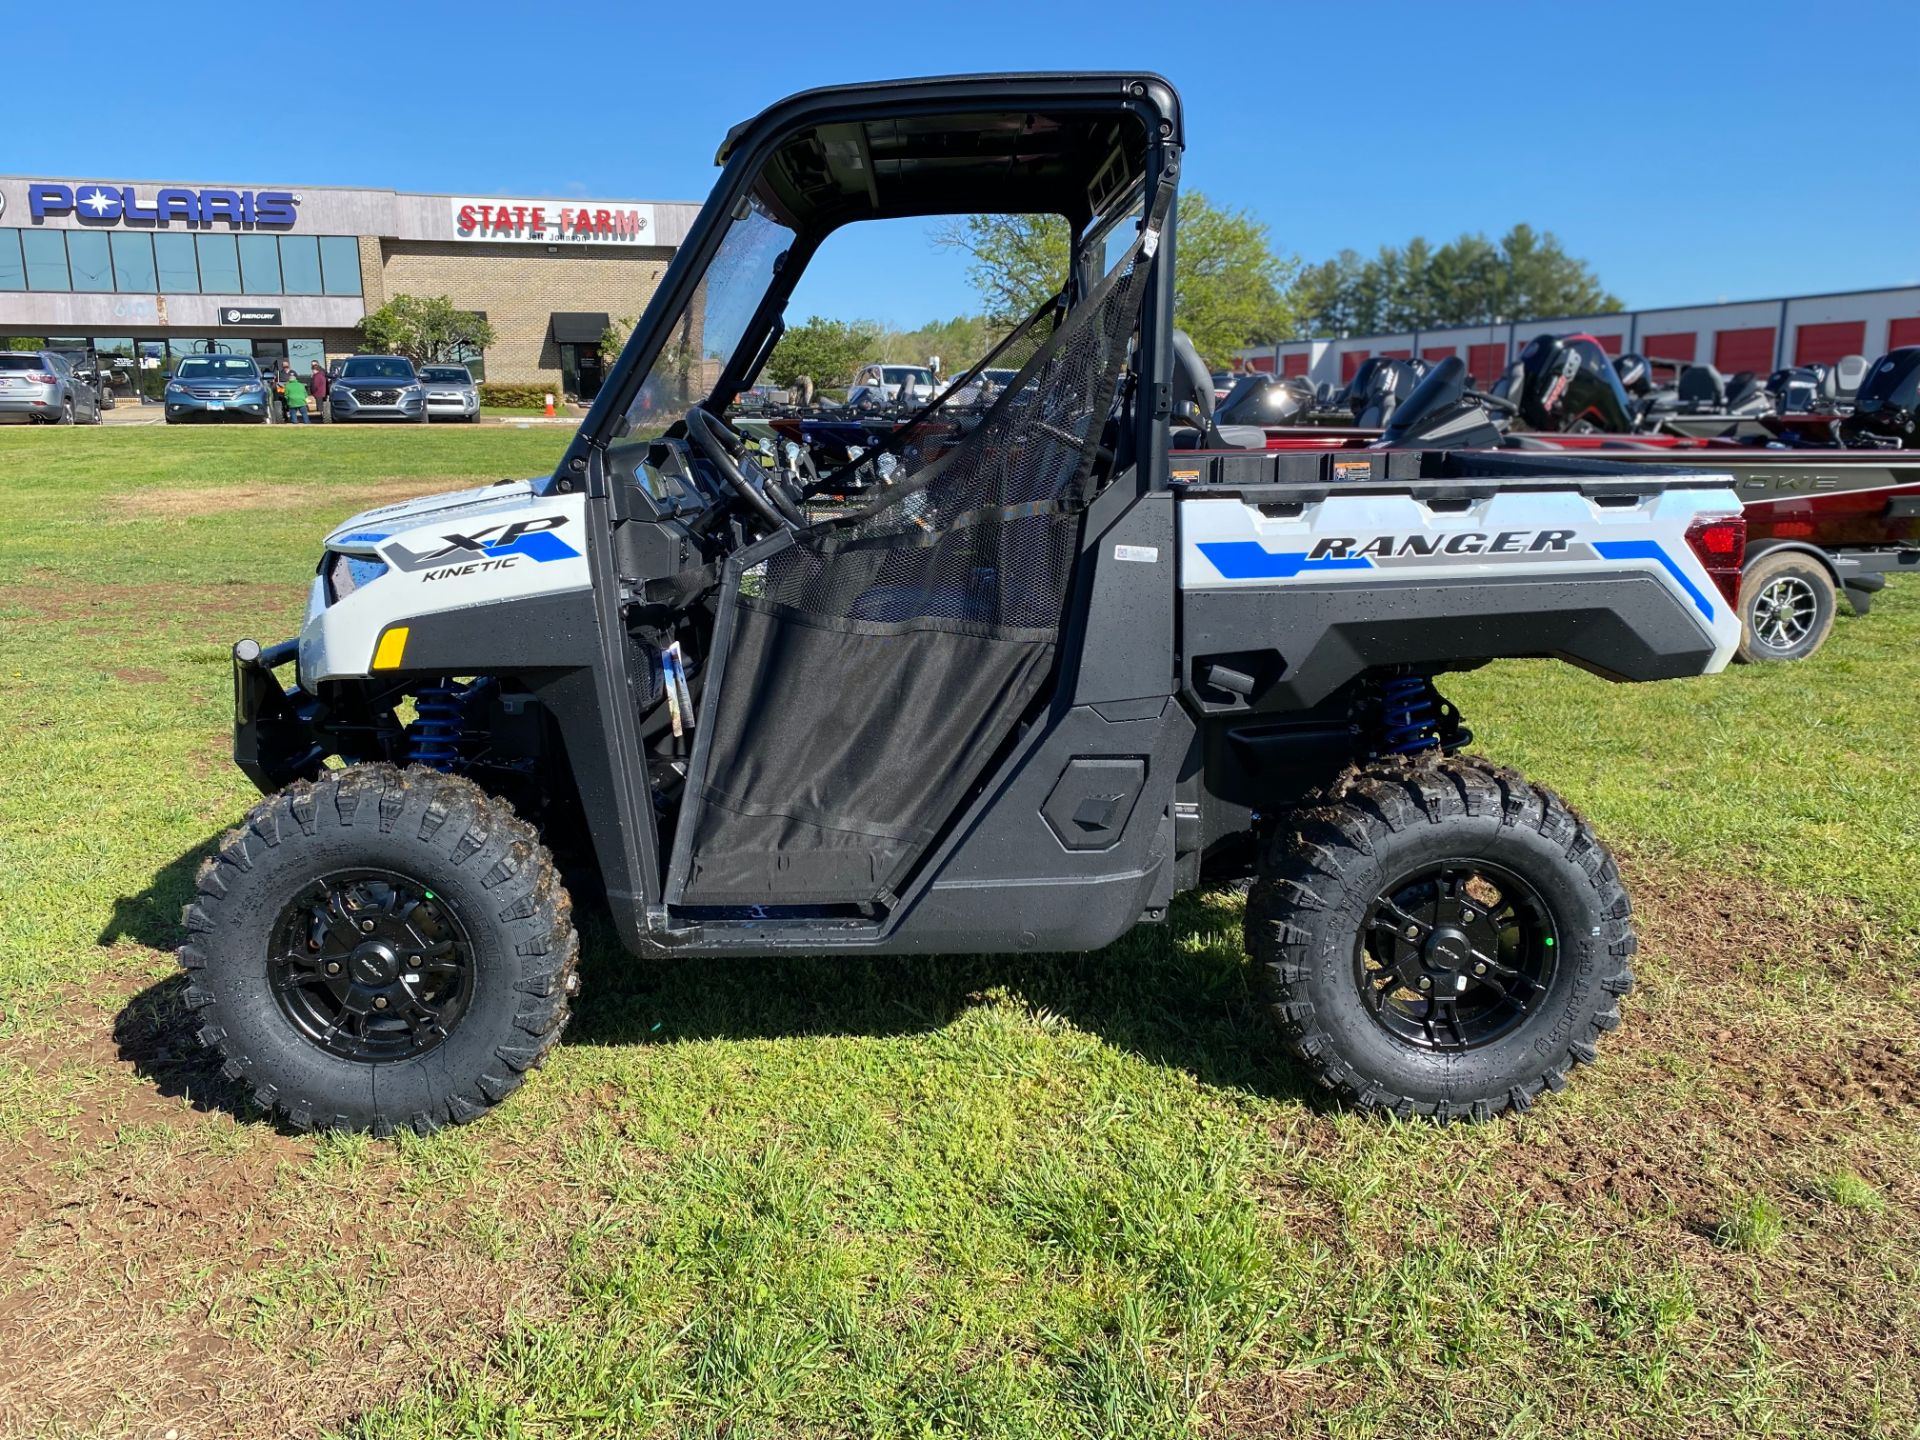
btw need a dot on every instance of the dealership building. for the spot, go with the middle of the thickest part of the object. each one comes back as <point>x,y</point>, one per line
<point>147,272</point>
<point>1758,335</point>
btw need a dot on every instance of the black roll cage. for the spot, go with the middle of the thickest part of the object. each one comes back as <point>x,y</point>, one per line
<point>1144,96</point>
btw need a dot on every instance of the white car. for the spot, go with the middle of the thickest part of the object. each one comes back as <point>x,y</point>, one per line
<point>451,393</point>
<point>878,384</point>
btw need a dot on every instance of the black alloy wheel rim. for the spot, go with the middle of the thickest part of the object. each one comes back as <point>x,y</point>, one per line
<point>371,965</point>
<point>1455,955</point>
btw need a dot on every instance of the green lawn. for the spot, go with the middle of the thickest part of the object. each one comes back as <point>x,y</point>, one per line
<point>1026,1196</point>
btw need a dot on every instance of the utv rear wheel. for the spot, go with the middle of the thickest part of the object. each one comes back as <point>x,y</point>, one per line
<point>1787,605</point>
<point>1440,939</point>
<point>381,948</point>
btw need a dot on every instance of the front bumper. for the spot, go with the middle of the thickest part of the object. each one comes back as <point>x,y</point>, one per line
<point>195,407</point>
<point>458,406</point>
<point>342,407</point>
<point>274,732</point>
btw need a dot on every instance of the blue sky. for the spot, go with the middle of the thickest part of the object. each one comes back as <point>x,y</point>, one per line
<point>1696,153</point>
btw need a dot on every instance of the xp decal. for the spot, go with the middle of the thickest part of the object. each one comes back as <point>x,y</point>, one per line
<point>484,550</point>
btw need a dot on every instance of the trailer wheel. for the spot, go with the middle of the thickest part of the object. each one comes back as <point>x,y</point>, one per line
<point>1440,939</point>
<point>378,949</point>
<point>1787,605</point>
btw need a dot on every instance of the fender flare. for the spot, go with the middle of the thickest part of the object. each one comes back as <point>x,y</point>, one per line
<point>1765,548</point>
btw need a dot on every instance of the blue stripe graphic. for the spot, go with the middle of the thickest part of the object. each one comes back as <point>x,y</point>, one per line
<point>540,545</point>
<point>1250,560</point>
<point>1651,550</point>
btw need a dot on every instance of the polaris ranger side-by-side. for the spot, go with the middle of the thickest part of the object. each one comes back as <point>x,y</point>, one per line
<point>1077,654</point>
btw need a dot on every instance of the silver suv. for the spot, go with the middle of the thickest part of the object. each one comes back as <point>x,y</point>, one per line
<point>451,393</point>
<point>39,386</point>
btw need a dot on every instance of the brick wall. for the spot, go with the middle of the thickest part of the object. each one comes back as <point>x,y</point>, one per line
<point>519,288</point>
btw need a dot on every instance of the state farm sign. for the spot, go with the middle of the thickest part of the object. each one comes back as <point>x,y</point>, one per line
<point>519,222</point>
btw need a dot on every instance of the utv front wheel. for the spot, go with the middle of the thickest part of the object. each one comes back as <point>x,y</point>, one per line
<point>1440,939</point>
<point>381,948</point>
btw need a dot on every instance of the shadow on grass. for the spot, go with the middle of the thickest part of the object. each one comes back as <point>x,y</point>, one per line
<point>1176,995</point>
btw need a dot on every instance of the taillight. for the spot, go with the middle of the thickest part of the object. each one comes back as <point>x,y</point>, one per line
<point>1720,543</point>
<point>40,379</point>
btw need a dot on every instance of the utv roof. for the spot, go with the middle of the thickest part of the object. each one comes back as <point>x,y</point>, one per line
<point>955,144</point>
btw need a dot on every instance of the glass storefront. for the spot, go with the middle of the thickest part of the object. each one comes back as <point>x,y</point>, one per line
<point>135,262</point>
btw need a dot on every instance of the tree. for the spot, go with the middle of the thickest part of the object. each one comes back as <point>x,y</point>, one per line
<point>425,330</point>
<point>1468,281</point>
<point>827,350</point>
<point>1230,289</point>
<point>613,339</point>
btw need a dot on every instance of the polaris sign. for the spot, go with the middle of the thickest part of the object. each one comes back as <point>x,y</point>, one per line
<point>196,209</point>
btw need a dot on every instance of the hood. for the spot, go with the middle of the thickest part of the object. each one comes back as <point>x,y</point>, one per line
<point>370,527</point>
<point>368,382</point>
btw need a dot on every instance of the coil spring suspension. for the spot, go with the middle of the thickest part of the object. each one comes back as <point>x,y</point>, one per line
<point>1409,715</point>
<point>433,739</point>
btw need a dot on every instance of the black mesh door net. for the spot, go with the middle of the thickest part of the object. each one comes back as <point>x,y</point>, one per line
<point>876,662</point>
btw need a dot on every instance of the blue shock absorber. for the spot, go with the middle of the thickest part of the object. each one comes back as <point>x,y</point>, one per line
<point>433,739</point>
<point>1409,715</point>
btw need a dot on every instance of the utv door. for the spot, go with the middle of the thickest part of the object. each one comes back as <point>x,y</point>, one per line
<point>868,669</point>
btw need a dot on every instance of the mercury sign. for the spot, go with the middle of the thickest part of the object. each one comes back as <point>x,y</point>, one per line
<point>520,222</point>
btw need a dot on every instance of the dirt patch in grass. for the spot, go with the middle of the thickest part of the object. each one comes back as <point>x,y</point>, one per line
<point>140,676</point>
<point>63,601</point>
<point>1727,926</point>
<point>162,1262</point>
<point>189,502</point>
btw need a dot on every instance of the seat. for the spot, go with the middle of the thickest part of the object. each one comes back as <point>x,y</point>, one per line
<point>1193,406</point>
<point>1849,371</point>
<point>1702,385</point>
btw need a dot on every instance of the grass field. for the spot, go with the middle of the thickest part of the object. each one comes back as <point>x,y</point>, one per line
<point>1032,1196</point>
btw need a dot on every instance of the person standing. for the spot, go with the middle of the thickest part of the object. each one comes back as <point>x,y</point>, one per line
<point>296,394</point>
<point>317,387</point>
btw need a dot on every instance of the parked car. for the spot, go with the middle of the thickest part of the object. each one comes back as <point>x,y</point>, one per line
<point>86,367</point>
<point>377,387</point>
<point>878,384</point>
<point>39,386</point>
<point>451,393</point>
<point>217,388</point>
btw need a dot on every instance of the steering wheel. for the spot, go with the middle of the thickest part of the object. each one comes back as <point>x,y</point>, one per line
<point>723,447</point>
<point>1493,402</point>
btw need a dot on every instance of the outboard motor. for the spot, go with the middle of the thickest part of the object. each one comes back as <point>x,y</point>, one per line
<point>1266,400</point>
<point>1441,414</point>
<point>1568,383</point>
<point>1886,412</point>
<point>1636,375</point>
<point>1849,373</point>
<point>1798,389</point>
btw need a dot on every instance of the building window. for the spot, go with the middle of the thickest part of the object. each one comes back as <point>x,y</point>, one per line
<point>13,272</point>
<point>92,265</point>
<point>175,266</point>
<point>133,261</point>
<point>260,264</point>
<point>340,264</point>
<point>303,355</point>
<point>300,265</point>
<point>219,264</point>
<point>117,365</point>
<point>46,256</point>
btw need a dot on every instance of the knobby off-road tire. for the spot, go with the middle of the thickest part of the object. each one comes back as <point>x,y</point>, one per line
<point>1787,604</point>
<point>452,862</point>
<point>1330,977</point>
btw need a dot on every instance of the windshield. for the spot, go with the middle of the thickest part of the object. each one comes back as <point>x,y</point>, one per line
<point>208,367</point>
<point>447,375</point>
<point>378,367</point>
<point>703,337</point>
<point>903,374</point>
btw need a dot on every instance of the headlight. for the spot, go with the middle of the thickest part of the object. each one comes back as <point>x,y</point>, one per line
<point>174,388</point>
<point>347,573</point>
